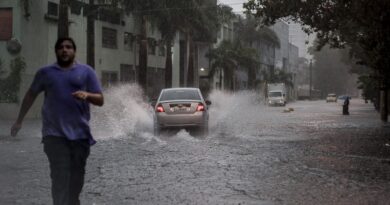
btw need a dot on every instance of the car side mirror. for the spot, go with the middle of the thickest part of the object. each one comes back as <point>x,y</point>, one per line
<point>208,102</point>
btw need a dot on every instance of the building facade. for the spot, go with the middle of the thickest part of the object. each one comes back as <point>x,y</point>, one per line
<point>32,25</point>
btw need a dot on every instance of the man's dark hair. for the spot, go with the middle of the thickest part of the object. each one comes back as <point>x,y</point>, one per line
<point>60,40</point>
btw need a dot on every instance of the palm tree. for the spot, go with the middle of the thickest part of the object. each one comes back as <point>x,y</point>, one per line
<point>247,58</point>
<point>223,61</point>
<point>169,19</point>
<point>200,24</point>
<point>279,76</point>
<point>250,32</point>
<point>143,10</point>
<point>195,19</point>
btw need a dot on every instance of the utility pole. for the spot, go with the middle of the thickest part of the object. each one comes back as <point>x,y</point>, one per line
<point>91,33</point>
<point>310,77</point>
<point>63,19</point>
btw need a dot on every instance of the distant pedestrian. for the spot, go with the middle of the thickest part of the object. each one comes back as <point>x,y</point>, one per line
<point>346,106</point>
<point>69,88</point>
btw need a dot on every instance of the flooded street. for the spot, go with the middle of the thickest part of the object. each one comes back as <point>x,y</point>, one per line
<point>254,154</point>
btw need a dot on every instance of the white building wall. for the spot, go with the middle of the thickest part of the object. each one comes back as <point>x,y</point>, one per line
<point>293,60</point>
<point>281,29</point>
<point>38,34</point>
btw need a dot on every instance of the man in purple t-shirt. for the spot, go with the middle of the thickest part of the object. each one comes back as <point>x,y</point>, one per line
<point>69,88</point>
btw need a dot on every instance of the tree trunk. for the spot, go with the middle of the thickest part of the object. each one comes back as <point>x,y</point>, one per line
<point>251,77</point>
<point>91,34</point>
<point>63,21</point>
<point>190,70</point>
<point>143,56</point>
<point>220,78</point>
<point>168,65</point>
<point>384,103</point>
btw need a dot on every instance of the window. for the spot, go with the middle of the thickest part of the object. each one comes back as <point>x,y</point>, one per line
<point>52,9</point>
<point>110,16</point>
<point>180,95</point>
<point>161,48</point>
<point>127,73</point>
<point>109,78</point>
<point>75,7</point>
<point>152,46</point>
<point>5,24</point>
<point>128,41</point>
<point>109,39</point>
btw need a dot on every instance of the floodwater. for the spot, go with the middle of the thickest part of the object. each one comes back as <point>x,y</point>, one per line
<point>254,154</point>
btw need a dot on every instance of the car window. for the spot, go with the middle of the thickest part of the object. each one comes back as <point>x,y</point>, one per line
<point>275,94</point>
<point>180,95</point>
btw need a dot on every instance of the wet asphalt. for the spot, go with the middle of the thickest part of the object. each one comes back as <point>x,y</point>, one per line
<point>254,154</point>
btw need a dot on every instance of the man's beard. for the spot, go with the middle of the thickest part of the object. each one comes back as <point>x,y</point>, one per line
<point>66,63</point>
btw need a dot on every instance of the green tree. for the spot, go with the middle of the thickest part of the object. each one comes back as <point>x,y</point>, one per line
<point>200,24</point>
<point>10,85</point>
<point>228,57</point>
<point>357,23</point>
<point>223,61</point>
<point>250,31</point>
<point>142,10</point>
<point>279,76</point>
<point>166,18</point>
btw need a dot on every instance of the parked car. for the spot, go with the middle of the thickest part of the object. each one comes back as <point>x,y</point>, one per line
<point>181,108</point>
<point>331,97</point>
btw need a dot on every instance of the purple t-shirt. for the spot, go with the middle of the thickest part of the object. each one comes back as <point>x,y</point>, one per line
<point>62,114</point>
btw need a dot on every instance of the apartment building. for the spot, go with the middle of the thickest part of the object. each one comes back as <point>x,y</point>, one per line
<point>28,29</point>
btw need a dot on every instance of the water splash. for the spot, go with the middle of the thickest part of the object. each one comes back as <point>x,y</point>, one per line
<point>124,113</point>
<point>236,113</point>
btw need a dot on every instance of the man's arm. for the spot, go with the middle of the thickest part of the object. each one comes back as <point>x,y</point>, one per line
<point>94,98</point>
<point>28,100</point>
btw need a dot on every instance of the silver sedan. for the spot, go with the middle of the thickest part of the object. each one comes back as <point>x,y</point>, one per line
<point>181,108</point>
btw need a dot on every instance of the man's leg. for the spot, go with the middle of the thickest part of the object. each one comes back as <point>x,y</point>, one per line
<point>79,155</point>
<point>58,153</point>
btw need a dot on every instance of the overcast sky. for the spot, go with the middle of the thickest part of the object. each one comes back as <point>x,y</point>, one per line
<point>235,4</point>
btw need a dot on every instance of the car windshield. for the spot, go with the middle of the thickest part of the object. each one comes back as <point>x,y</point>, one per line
<point>332,95</point>
<point>275,94</point>
<point>180,95</point>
